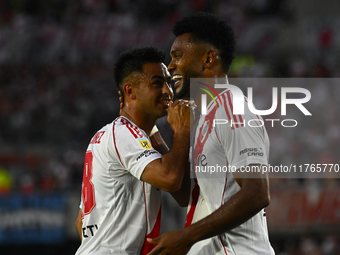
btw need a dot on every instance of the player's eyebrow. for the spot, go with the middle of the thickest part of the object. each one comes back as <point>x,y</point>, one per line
<point>161,77</point>
<point>174,51</point>
<point>157,77</point>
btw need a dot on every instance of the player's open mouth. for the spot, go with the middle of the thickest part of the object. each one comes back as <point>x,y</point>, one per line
<point>178,79</point>
<point>165,102</point>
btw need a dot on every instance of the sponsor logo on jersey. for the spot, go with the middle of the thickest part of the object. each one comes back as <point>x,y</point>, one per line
<point>144,143</point>
<point>145,154</point>
<point>252,151</point>
<point>90,230</point>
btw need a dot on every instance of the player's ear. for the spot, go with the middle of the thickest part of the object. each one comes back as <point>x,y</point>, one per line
<point>129,90</point>
<point>209,58</point>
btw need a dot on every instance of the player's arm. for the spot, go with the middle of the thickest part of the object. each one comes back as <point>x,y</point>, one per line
<point>182,195</point>
<point>252,197</point>
<point>158,142</point>
<point>79,224</point>
<point>167,173</point>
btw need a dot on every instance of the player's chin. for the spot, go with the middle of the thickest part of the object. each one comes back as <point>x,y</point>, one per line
<point>163,110</point>
<point>178,89</point>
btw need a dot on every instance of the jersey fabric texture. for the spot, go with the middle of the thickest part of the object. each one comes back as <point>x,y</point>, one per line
<point>119,210</point>
<point>223,140</point>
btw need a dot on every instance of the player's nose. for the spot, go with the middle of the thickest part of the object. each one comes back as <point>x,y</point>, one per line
<point>171,66</point>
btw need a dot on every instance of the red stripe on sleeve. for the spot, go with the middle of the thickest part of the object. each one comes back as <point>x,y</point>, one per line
<point>137,131</point>
<point>231,108</point>
<point>114,142</point>
<point>240,120</point>
<point>227,111</point>
<point>129,127</point>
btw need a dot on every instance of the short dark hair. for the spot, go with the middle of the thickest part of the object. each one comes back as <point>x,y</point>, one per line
<point>130,61</point>
<point>209,28</point>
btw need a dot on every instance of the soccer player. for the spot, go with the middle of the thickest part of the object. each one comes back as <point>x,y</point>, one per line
<point>120,202</point>
<point>225,215</point>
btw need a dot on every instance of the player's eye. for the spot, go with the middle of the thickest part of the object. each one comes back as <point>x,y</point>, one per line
<point>158,83</point>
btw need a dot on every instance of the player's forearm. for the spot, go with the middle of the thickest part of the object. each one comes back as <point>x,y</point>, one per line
<point>175,162</point>
<point>183,194</point>
<point>241,207</point>
<point>158,143</point>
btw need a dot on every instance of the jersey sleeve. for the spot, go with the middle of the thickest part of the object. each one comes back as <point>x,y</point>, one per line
<point>243,144</point>
<point>134,150</point>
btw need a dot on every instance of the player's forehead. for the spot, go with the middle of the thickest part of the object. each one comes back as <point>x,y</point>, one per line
<point>182,43</point>
<point>156,70</point>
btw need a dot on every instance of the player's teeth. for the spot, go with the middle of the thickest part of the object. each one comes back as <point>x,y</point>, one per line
<point>177,77</point>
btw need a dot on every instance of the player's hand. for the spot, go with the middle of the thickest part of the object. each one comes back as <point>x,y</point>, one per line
<point>179,114</point>
<point>170,243</point>
<point>121,100</point>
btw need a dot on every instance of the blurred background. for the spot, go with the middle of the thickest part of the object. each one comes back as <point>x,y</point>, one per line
<point>57,90</point>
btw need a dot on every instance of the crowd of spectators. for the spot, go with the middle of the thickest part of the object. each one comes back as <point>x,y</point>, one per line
<point>56,61</point>
<point>57,90</point>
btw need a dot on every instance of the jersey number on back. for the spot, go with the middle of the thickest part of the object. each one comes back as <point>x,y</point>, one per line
<point>88,187</point>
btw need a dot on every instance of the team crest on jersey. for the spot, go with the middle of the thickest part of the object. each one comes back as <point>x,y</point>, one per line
<point>144,143</point>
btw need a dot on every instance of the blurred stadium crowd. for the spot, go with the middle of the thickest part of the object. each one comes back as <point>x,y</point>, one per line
<point>57,90</point>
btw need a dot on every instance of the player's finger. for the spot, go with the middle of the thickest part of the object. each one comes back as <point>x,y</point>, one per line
<point>192,104</point>
<point>177,102</point>
<point>171,103</point>
<point>153,240</point>
<point>180,102</point>
<point>155,250</point>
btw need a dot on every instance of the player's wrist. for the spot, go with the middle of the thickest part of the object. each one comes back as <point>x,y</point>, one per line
<point>191,235</point>
<point>154,131</point>
<point>183,136</point>
<point>182,130</point>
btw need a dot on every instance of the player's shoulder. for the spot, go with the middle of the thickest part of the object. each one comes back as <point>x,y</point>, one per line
<point>101,134</point>
<point>229,104</point>
<point>223,103</point>
<point>124,126</point>
<point>226,96</point>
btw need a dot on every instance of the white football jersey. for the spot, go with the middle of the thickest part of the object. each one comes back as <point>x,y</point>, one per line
<point>119,210</point>
<point>229,142</point>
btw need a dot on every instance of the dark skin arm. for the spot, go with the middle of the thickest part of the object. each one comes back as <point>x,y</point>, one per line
<point>159,144</point>
<point>252,197</point>
<point>182,195</point>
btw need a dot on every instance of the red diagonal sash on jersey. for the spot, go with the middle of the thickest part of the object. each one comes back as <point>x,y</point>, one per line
<point>195,194</point>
